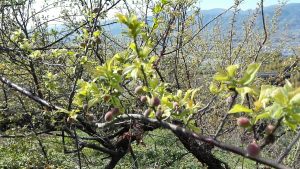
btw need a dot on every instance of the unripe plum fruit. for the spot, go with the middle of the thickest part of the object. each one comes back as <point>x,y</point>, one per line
<point>70,120</point>
<point>159,113</point>
<point>85,107</point>
<point>115,111</point>
<point>143,99</point>
<point>253,149</point>
<point>243,122</point>
<point>96,10</point>
<point>147,112</point>
<point>106,98</point>
<point>154,101</point>
<point>90,117</point>
<point>83,44</point>
<point>108,116</point>
<point>98,40</point>
<point>138,90</point>
<point>175,105</point>
<point>270,129</point>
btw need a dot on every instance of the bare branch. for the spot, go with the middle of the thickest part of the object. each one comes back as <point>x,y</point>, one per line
<point>289,148</point>
<point>28,94</point>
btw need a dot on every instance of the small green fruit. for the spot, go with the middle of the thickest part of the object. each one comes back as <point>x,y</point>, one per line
<point>138,90</point>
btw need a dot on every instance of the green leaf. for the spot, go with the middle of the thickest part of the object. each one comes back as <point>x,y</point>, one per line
<point>165,101</point>
<point>132,46</point>
<point>167,113</point>
<point>265,94</point>
<point>122,18</point>
<point>290,124</point>
<point>243,91</point>
<point>193,127</point>
<point>128,69</point>
<point>97,33</point>
<point>213,88</point>
<point>164,1</point>
<point>239,108</point>
<point>93,101</point>
<point>275,110</point>
<point>187,95</point>
<point>157,9</point>
<point>295,117</point>
<point>265,115</point>
<point>221,76</point>
<point>179,94</point>
<point>280,96</point>
<point>295,100</point>
<point>231,70</point>
<point>35,54</point>
<point>153,83</point>
<point>288,86</point>
<point>194,93</point>
<point>250,74</point>
<point>153,59</point>
<point>134,73</point>
<point>144,52</point>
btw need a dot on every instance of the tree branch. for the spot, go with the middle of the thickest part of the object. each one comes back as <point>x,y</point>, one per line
<point>28,94</point>
<point>175,128</point>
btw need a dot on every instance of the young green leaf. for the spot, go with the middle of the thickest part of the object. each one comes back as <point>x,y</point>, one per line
<point>231,70</point>
<point>240,108</point>
<point>250,74</point>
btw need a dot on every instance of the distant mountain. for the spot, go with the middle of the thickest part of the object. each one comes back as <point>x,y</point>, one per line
<point>290,15</point>
<point>289,20</point>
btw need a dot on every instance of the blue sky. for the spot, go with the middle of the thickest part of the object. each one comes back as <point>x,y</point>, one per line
<point>248,4</point>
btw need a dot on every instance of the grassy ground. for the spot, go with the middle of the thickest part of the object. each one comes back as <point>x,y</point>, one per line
<point>161,150</point>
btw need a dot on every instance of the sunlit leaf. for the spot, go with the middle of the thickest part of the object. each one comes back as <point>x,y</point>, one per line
<point>265,115</point>
<point>250,74</point>
<point>240,108</point>
<point>295,100</point>
<point>243,91</point>
<point>231,70</point>
<point>280,96</point>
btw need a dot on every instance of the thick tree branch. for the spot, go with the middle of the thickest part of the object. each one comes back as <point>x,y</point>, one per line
<point>28,94</point>
<point>209,140</point>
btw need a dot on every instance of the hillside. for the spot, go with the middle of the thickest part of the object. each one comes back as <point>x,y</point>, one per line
<point>288,21</point>
<point>289,17</point>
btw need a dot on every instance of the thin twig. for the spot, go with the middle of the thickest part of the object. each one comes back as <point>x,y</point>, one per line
<point>265,30</point>
<point>289,148</point>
